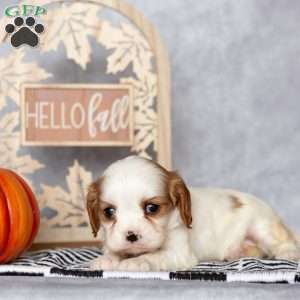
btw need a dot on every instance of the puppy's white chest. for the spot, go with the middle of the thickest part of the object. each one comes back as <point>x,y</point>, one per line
<point>206,243</point>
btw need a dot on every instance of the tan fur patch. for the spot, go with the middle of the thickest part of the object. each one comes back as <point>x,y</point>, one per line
<point>236,202</point>
<point>178,193</point>
<point>247,249</point>
<point>93,205</point>
<point>280,232</point>
<point>165,206</point>
<point>252,250</point>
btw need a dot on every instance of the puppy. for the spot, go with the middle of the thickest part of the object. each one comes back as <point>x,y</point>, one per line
<point>150,221</point>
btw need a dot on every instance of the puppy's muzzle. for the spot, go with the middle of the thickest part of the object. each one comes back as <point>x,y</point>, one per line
<point>132,237</point>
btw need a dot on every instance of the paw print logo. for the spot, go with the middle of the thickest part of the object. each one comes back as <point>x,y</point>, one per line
<point>24,33</point>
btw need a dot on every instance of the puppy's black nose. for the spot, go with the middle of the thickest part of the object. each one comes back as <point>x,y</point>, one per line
<point>131,237</point>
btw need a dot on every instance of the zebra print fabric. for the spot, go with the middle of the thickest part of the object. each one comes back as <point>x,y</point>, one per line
<point>74,263</point>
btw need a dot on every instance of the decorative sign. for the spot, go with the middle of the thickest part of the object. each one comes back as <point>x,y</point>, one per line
<point>77,115</point>
<point>132,54</point>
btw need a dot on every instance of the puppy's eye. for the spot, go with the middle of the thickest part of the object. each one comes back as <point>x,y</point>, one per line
<point>151,208</point>
<point>109,212</point>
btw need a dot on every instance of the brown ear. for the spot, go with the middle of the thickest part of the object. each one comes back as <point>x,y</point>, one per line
<point>93,205</point>
<point>180,197</point>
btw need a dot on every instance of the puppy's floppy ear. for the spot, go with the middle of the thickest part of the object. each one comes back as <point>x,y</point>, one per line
<point>93,205</point>
<point>180,197</point>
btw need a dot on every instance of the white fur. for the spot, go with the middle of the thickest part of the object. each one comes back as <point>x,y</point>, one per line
<point>125,184</point>
<point>218,230</point>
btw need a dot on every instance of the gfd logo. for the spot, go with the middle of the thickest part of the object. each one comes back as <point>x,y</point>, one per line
<point>24,30</point>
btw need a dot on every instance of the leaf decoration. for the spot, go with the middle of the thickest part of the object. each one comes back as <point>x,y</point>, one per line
<point>71,25</point>
<point>13,72</point>
<point>9,138</point>
<point>69,206</point>
<point>9,122</point>
<point>145,116</point>
<point>3,33</point>
<point>9,147</point>
<point>129,46</point>
<point>78,181</point>
<point>26,164</point>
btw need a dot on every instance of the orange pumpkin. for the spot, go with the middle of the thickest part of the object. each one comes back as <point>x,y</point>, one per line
<point>19,216</point>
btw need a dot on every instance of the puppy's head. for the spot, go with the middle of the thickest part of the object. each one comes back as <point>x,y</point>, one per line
<point>134,202</point>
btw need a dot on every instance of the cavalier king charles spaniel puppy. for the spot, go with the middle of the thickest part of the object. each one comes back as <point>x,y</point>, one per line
<point>150,221</point>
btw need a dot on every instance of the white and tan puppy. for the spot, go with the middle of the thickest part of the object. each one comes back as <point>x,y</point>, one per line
<point>150,221</point>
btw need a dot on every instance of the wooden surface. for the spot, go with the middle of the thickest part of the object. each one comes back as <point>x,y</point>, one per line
<point>42,246</point>
<point>77,115</point>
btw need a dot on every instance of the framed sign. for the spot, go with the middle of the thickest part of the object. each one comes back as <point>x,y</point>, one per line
<point>77,115</point>
<point>98,41</point>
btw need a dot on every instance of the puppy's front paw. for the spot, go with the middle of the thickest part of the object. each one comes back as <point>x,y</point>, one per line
<point>137,264</point>
<point>104,262</point>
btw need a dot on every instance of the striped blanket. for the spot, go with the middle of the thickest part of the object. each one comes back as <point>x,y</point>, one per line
<point>74,263</point>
